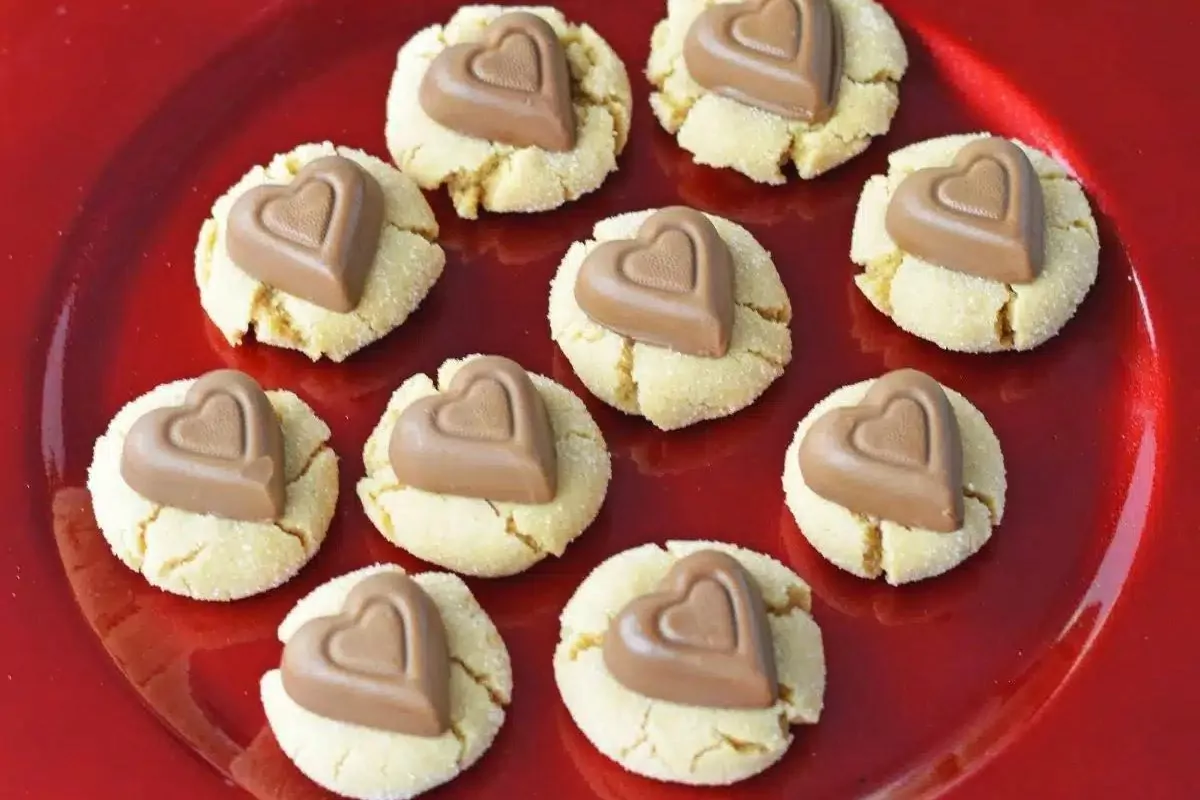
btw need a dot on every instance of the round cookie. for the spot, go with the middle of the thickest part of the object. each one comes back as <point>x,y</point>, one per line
<point>963,312</point>
<point>356,761</point>
<point>870,547</point>
<point>672,389</point>
<point>478,537</point>
<point>670,741</point>
<point>725,133</point>
<point>407,264</point>
<point>207,557</point>
<point>502,177</point>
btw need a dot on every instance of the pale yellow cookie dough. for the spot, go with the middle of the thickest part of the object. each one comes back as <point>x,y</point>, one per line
<point>721,132</point>
<point>479,537</point>
<point>869,547</point>
<point>673,390</point>
<point>206,557</point>
<point>406,267</point>
<point>500,177</point>
<point>354,761</point>
<point>669,741</point>
<point>962,312</point>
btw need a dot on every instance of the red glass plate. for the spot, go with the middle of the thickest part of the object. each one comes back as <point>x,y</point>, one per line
<point>1057,663</point>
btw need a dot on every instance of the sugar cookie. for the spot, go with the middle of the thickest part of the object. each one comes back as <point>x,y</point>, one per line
<point>758,679</point>
<point>330,664</point>
<point>362,275</point>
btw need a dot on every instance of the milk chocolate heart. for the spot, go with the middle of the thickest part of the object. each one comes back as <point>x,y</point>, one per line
<point>514,87</point>
<point>220,453</point>
<point>672,286</point>
<point>383,662</point>
<point>896,456</point>
<point>702,639</point>
<point>488,436</point>
<point>982,216</point>
<point>783,56</point>
<point>314,238</point>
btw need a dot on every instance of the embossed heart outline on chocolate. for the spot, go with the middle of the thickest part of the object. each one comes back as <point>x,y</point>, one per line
<point>220,453</point>
<point>656,290</point>
<point>383,662</point>
<point>488,435</point>
<point>315,238</point>
<point>783,56</point>
<point>896,456</point>
<point>984,215</point>
<point>493,89</point>
<point>702,638</point>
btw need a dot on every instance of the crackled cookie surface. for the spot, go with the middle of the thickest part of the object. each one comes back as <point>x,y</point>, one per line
<point>406,264</point>
<point>968,312</point>
<point>673,389</point>
<point>499,176</point>
<point>205,556</point>
<point>354,760</point>
<point>475,535</point>
<point>722,132</point>
<point>673,741</point>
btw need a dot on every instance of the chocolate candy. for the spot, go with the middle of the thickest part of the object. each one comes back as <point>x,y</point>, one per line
<point>514,87</point>
<point>672,286</point>
<point>983,216</point>
<point>381,663</point>
<point>314,238</point>
<point>488,436</point>
<point>783,56</point>
<point>220,453</point>
<point>897,455</point>
<point>703,639</point>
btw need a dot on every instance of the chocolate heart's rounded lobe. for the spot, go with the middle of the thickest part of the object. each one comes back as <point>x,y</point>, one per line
<point>701,639</point>
<point>984,215</point>
<point>315,238</point>
<point>488,435</point>
<point>220,453</point>
<point>514,87</point>
<point>783,56</point>
<point>896,456</point>
<point>672,286</point>
<point>382,663</point>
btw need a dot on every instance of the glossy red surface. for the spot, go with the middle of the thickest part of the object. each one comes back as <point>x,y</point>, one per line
<point>1057,663</point>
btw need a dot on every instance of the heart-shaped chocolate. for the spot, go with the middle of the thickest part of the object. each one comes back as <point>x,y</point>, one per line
<point>702,639</point>
<point>783,56</point>
<point>896,456</point>
<point>488,436</point>
<point>984,215</point>
<point>672,286</point>
<point>314,238</point>
<point>382,663</point>
<point>514,87</point>
<point>220,453</point>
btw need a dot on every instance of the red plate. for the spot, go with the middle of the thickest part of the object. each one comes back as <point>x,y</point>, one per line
<point>1054,664</point>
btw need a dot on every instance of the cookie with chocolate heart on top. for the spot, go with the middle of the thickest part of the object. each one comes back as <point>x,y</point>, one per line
<point>324,250</point>
<point>897,477</point>
<point>976,243</point>
<point>486,471</point>
<point>666,651</point>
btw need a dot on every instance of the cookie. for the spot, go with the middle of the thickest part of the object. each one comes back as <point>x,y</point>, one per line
<point>644,372</point>
<point>753,86</point>
<point>213,489</point>
<point>380,732</point>
<point>970,277</point>
<point>513,109</point>
<point>721,707</point>
<point>485,474</point>
<point>897,477</point>
<point>325,250</point>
